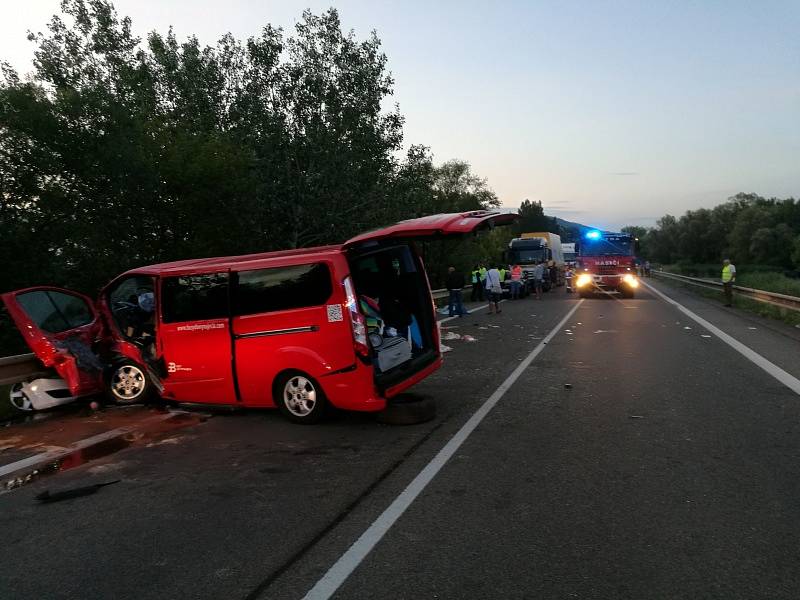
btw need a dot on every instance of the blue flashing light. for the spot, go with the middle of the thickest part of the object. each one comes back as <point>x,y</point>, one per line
<point>593,235</point>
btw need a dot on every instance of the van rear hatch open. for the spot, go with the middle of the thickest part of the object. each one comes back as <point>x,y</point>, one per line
<point>438,226</point>
<point>394,294</point>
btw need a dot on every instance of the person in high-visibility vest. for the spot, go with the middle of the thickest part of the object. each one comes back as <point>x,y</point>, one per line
<point>477,287</point>
<point>728,279</point>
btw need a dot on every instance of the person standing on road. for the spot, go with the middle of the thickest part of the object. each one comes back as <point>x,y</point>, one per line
<point>455,285</point>
<point>494,289</point>
<point>728,279</point>
<point>477,287</point>
<point>482,275</point>
<point>568,279</point>
<point>538,278</point>
<point>516,281</point>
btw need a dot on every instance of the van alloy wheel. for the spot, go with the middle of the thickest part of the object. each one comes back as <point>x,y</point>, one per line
<point>128,383</point>
<point>300,396</point>
<point>19,399</point>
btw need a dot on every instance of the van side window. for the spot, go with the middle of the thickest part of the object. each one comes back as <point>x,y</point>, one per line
<point>55,312</point>
<point>195,297</point>
<point>282,288</point>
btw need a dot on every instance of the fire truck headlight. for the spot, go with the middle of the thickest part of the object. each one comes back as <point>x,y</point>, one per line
<point>630,280</point>
<point>584,279</point>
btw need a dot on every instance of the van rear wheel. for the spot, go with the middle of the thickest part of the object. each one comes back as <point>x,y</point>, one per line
<point>299,397</point>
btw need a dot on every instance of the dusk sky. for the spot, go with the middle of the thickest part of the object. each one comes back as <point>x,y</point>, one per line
<point>610,113</point>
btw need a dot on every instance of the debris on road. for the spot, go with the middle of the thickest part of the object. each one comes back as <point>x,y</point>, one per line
<point>686,327</point>
<point>450,335</point>
<point>468,338</point>
<point>443,348</point>
<point>567,386</point>
<point>606,331</point>
<point>86,490</point>
<point>635,417</point>
<point>704,335</point>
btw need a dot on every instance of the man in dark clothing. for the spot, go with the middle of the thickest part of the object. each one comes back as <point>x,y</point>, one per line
<point>455,283</point>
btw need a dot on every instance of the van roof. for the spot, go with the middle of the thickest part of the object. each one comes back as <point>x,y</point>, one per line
<point>232,262</point>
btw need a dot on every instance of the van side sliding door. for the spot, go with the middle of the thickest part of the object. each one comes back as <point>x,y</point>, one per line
<point>196,338</point>
<point>288,318</point>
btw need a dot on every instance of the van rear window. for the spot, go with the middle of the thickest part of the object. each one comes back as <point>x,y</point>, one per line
<point>282,288</point>
<point>195,297</point>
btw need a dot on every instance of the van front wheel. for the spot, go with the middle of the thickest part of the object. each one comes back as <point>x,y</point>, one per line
<point>300,398</point>
<point>128,383</point>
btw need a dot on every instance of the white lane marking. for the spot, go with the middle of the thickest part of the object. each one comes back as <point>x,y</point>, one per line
<point>785,378</point>
<point>342,568</point>
<point>471,311</point>
<point>481,307</point>
<point>55,455</point>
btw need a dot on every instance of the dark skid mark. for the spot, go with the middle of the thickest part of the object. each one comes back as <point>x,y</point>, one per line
<point>292,560</point>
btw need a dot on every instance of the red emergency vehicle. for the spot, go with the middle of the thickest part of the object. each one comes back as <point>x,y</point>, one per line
<point>606,264</point>
<point>351,325</point>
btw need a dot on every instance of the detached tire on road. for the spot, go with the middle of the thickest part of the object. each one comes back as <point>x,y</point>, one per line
<point>128,383</point>
<point>407,410</point>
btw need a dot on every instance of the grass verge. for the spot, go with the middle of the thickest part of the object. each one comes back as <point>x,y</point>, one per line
<point>770,282</point>
<point>757,277</point>
<point>791,317</point>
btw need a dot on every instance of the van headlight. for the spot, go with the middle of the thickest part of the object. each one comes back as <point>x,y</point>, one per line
<point>583,280</point>
<point>630,280</point>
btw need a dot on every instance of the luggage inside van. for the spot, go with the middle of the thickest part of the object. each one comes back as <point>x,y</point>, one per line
<point>394,296</point>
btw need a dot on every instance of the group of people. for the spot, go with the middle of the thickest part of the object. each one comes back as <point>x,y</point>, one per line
<point>487,284</point>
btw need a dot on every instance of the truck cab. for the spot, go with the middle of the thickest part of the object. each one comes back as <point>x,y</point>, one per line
<point>537,247</point>
<point>606,264</point>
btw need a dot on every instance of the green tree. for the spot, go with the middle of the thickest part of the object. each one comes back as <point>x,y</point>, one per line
<point>532,218</point>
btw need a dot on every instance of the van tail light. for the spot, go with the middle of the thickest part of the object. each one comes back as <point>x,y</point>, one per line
<point>357,320</point>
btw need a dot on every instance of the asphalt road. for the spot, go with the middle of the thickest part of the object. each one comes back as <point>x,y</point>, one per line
<point>636,457</point>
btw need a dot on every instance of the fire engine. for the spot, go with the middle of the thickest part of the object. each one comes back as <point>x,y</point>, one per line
<point>606,264</point>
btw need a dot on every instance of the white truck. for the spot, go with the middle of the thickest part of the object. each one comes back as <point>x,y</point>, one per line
<point>539,246</point>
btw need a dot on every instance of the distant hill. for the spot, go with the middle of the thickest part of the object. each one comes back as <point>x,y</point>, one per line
<point>571,224</point>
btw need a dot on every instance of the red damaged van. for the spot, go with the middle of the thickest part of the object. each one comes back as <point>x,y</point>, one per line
<point>351,325</point>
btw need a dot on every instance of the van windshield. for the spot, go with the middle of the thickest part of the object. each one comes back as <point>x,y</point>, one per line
<point>132,303</point>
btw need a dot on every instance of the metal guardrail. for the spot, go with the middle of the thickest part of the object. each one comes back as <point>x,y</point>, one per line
<point>773,298</point>
<point>443,293</point>
<point>18,368</point>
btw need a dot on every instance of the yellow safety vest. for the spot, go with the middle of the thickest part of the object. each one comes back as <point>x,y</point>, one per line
<point>726,274</point>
